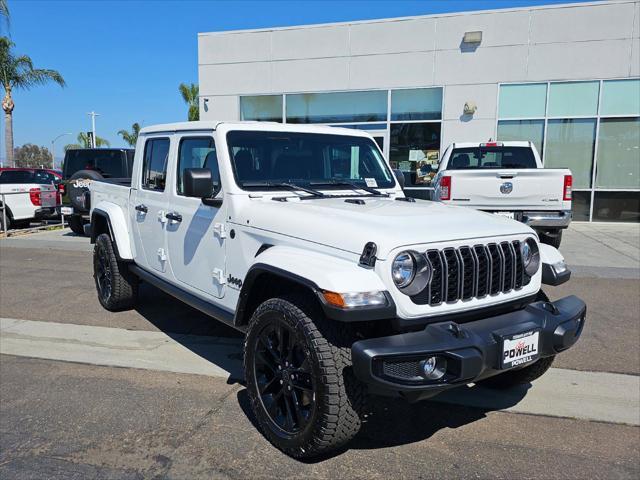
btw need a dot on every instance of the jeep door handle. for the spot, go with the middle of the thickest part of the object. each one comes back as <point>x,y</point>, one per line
<point>142,208</point>
<point>176,217</point>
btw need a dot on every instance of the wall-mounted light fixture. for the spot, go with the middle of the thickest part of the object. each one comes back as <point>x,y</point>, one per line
<point>470,108</point>
<point>473,38</point>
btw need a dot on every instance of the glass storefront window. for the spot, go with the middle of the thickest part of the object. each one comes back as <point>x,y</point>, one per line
<point>515,130</point>
<point>621,97</point>
<point>580,206</point>
<point>338,107</point>
<point>618,153</point>
<point>522,101</point>
<point>616,206</point>
<point>265,108</point>
<point>570,144</point>
<point>573,99</point>
<point>416,104</point>
<point>415,150</point>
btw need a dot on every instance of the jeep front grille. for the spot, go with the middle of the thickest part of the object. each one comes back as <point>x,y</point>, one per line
<point>473,272</point>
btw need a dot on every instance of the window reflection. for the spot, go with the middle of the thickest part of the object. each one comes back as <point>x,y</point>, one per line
<point>415,150</point>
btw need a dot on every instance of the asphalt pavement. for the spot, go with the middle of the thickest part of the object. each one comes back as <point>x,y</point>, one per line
<point>80,419</point>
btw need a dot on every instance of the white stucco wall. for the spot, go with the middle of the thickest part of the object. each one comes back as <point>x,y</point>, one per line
<point>596,40</point>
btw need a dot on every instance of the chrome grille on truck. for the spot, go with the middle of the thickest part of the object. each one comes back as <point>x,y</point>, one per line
<point>473,272</point>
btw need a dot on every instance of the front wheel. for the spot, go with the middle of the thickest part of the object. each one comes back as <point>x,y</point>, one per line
<point>299,380</point>
<point>117,288</point>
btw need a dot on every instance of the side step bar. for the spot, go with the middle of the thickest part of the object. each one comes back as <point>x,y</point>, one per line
<point>191,300</point>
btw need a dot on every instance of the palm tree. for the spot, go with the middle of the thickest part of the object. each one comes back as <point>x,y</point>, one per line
<point>190,96</point>
<point>18,72</point>
<point>131,138</point>
<point>4,11</point>
<point>84,142</point>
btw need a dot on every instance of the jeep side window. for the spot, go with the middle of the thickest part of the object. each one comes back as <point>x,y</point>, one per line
<point>154,164</point>
<point>197,152</point>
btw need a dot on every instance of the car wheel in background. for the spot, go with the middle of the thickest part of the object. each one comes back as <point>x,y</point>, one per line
<point>76,224</point>
<point>552,237</point>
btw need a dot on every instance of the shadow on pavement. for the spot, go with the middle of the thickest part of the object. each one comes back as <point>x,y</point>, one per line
<point>388,422</point>
<point>392,422</point>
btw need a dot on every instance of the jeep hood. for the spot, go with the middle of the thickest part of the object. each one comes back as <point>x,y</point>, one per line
<point>387,222</point>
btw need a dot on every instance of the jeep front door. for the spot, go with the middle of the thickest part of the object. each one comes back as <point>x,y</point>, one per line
<point>196,232</point>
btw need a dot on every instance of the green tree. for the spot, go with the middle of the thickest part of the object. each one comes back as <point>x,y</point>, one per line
<point>131,137</point>
<point>4,12</point>
<point>30,155</point>
<point>84,142</point>
<point>18,72</point>
<point>190,94</point>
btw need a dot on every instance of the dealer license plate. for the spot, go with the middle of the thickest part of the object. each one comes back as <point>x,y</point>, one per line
<point>510,215</point>
<point>520,348</point>
<point>66,210</point>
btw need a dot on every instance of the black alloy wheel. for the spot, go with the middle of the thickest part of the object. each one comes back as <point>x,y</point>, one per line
<point>284,378</point>
<point>104,274</point>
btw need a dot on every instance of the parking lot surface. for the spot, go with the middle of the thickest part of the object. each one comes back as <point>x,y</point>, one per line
<point>60,419</point>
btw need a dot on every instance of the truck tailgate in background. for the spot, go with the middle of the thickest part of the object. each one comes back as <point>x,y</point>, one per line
<point>505,189</point>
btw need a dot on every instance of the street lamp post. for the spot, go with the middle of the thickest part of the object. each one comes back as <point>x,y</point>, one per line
<point>53,149</point>
<point>93,116</point>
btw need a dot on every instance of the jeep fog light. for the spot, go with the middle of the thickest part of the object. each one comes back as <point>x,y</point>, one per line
<point>433,368</point>
<point>355,300</point>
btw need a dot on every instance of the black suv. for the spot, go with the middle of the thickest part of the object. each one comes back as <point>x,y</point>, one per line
<point>83,166</point>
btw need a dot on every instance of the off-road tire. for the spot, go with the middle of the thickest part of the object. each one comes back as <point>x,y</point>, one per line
<point>339,396</point>
<point>76,224</point>
<point>521,376</point>
<point>553,240</point>
<point>123,284</point>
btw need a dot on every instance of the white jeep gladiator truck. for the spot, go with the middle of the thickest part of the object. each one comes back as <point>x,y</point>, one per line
<point>507,178</point>
<point>301,237</point>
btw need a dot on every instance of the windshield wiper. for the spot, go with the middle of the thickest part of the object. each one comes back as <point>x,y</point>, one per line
<point>286,185</point>
<point>354,186</point>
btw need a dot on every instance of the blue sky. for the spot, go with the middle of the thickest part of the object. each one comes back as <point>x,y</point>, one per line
<point>125,59</point>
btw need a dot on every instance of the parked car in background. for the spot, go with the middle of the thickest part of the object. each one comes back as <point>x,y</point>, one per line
<point>301,237</point>
<point>83,166</point>
<point>508,179</point>
<point>37,200</point>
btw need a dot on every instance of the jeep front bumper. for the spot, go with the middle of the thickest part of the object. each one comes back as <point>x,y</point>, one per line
<point>471,351</point>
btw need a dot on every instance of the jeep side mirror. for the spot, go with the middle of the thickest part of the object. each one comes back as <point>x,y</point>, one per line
<point>198,183</point>
<point>399,176</point>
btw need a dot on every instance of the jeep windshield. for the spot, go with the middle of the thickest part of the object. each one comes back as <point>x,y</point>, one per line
<point>109,163</point>
<point>491,157</point>
<point>279,160</point>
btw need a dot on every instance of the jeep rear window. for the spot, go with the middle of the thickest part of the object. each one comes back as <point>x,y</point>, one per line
<point>305,159</point>
<point>491,157</point>
<point>109,163</point>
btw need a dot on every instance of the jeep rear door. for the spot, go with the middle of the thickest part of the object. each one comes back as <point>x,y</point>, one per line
<point>149,201</point>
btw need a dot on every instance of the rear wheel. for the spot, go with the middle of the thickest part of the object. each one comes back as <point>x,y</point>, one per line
<point>552,237</point>
<point>76,224</point>
<point>299,379</point>
<point>117,287</point>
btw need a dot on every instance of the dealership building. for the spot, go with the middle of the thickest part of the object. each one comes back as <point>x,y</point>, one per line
<point>565,77</point>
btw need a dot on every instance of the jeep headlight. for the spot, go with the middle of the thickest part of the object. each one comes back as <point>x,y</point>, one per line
<point>411,272</point>
<point>530,256</point>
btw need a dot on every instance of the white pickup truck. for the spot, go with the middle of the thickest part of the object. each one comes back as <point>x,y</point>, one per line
<point>301,237</point>
<point>28,194</point>
<point>507,178</point>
